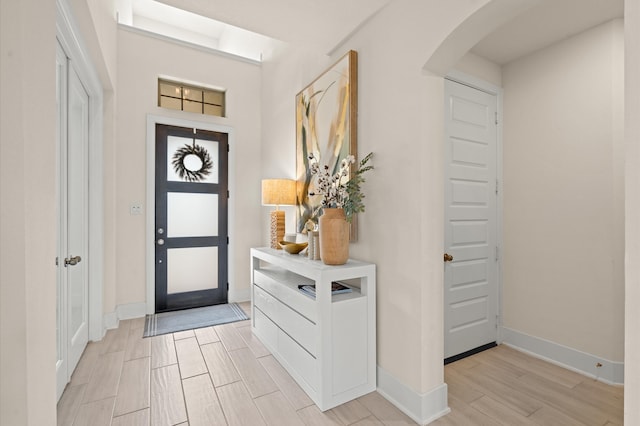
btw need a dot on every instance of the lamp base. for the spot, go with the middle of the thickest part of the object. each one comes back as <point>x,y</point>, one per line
<point>277,228</point>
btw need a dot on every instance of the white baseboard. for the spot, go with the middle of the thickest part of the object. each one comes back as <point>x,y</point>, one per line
<point>611,372</point>
<point>111,320</point>
<point>422,408</point>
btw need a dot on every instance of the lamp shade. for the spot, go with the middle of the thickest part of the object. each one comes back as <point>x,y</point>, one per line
<point>278,192</point>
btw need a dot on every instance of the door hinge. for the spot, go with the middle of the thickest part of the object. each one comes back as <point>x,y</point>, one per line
<point>497,254</point>
<point>497,186</point>
<point>227,286</point>
<point>496,117</point>
<point>57,261</point>
<point>227,194</point>
<point>227,240</point>
<point>227,147</point>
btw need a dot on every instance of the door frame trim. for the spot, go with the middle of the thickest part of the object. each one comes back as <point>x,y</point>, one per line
<point>69,36</point>
<point>484,86</point>
<point>152,120</point>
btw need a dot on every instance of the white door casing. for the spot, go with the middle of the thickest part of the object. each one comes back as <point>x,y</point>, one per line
<point>62,370</point>
<point>471,278</point>
<point>72,234</point>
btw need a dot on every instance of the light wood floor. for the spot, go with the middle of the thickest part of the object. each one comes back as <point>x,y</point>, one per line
<point>223,375</point>
<point>502,386</point>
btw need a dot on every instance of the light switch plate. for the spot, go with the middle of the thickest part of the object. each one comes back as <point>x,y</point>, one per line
<point>135,209</point>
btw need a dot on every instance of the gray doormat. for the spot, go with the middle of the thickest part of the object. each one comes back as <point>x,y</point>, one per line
<point>170,322</point>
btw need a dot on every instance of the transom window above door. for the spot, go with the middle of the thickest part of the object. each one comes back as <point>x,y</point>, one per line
<point>191,98</point>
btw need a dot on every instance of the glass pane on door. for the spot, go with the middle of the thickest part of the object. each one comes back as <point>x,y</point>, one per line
<point>192,269</point>
<point>192,214</point>
<point>197,158</point>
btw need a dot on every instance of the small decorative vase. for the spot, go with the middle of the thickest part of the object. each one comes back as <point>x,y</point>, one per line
<point>311,246</point>
<point>316,245</point>
<point>334,237</point>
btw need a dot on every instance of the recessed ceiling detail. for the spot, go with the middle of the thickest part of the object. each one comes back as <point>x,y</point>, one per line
<point>549,22</point>
<point>180,24</point>
<point>316,24</point>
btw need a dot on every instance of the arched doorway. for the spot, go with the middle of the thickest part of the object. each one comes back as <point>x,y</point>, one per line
<point>460,40</point>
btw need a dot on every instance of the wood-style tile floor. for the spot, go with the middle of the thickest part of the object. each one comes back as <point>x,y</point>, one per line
<point>503,386</point>
<point>223,375</point>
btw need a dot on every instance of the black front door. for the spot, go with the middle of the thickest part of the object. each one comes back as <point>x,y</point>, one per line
<point>191,218</point>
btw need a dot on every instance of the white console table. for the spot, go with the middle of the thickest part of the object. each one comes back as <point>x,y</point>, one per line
<point>327,344</point>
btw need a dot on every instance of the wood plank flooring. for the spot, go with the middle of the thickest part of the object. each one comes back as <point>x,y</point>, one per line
<point>503,386</point>
<point>223,375</point>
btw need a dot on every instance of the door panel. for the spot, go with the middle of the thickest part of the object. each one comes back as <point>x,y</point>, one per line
<point>174,143</point>
<point>192,269</point>
<point>191,218</point>
<point>471,295</point>
<point>77,190</point>
<point>72,314</point>
<point>192,215</point>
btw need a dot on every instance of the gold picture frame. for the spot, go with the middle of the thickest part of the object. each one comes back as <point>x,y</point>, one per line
<point>326,125</point>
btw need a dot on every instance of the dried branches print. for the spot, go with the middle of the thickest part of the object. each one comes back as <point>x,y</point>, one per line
<point>326,114</point>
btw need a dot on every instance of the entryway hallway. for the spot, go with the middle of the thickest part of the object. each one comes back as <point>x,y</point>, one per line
<point>223,375</point>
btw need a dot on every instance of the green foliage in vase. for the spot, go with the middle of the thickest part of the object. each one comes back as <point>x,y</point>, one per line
<point>355,200</point>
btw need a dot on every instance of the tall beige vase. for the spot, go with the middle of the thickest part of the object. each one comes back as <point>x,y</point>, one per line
<point>334,237</point>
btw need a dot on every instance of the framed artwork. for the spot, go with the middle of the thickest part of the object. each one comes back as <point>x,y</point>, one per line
<point>326,125</point>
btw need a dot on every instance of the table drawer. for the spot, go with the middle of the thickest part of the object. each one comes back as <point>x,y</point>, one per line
<point>266,330</point>
<point>292,323</point>
<point>305,365</point>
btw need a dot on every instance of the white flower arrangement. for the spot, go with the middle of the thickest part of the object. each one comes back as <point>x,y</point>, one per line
<point>338,190</point>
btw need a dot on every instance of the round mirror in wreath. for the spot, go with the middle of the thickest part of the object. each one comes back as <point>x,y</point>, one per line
<point>192,162</point>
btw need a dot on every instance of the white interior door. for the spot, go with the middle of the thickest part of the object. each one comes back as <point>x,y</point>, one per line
<point>470,274</point>
<point>72,279</point>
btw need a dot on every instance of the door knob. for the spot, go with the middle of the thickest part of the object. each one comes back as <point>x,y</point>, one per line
<point>448,257</point>
<point>72,260</point>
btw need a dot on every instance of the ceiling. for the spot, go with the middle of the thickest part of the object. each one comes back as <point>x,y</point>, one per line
<point>321,24</point>
<point>545,24</point>
<point>180,24</point>
<point>315,23</point>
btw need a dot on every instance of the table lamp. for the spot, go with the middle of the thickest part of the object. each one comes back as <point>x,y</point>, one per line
<point>278,192</point>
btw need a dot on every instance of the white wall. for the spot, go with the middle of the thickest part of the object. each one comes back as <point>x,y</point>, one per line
<point>632,221</point>
<point>481,68</point>
<point>96,20</point>
<point>282,74</point>
<point>141,59</point>
<point>400,120</point>
<point>103,13</point>
<point>27,213</point>
<point>563,193</point>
